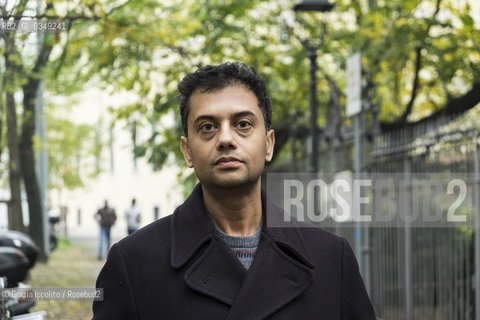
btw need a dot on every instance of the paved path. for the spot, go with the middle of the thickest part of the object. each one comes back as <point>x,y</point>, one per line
<point>72,265</point>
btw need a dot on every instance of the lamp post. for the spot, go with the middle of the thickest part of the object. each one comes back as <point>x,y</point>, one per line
<point>312,56</point>
<point>319,6</point>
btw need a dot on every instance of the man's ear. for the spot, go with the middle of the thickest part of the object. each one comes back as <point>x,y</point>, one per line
<point>185,148</point>
<point>270,145</point>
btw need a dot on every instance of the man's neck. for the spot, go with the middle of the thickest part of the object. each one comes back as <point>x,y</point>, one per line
<point>237,212</point>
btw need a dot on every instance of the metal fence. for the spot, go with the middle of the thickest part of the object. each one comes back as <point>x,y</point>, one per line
<point>417,273</point>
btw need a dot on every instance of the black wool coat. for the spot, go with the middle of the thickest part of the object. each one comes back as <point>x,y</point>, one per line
<point>176,268</point>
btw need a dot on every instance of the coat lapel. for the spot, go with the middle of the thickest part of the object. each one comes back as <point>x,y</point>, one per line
<point>216,271</point>
<point>190,229</point>
<point>280,272</point>
<point>273,280</point>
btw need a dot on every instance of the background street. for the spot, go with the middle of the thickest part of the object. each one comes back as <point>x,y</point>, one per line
<point>72,265</point>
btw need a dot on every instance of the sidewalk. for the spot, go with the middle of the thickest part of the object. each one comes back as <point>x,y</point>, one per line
<point>72,265</point>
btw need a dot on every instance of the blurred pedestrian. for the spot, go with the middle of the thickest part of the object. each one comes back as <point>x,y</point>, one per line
<point>106,218</point>
<point>133,217</point>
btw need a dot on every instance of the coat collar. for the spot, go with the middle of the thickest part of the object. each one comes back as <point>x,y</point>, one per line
<point>280,272</point>
<point>191,228</point>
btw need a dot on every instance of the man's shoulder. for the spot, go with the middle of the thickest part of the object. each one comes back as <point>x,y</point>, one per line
<point>276,218</point>
<point>307,229</point>
<point>324,243</point>
<point>322,237</point>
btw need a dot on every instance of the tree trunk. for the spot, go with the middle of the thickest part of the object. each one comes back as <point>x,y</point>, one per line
<point>15,214</point>
<point>37,226</point>
<point>27,158</point>
<point>2,112</point>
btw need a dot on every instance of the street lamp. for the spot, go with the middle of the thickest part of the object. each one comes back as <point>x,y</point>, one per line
<point>320,6</point>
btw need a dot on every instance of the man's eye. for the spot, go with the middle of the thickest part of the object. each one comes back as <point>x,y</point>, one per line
<point>243,125</point>
<point>208,127</point>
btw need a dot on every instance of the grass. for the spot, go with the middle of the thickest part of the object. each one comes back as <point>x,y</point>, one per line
<point>71,265</point>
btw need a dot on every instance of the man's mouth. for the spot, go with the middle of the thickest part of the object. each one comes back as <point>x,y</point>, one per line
<point>227,162</point>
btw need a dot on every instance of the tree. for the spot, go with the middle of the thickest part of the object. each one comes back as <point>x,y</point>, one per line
<point>421,58</point>
<point>147,54</point>
<point>15,214</point>
<point>72,151</point>
<point>23,71</point>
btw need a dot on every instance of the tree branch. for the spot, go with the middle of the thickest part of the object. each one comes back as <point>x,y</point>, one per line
<point>70,18</point>
<point>20,9</point>
<point>415,86</point>
<point>119,7</point>
<point>418,66</point>
<point>61,60</point>
<point>358,11</point>
<point>453,106</point>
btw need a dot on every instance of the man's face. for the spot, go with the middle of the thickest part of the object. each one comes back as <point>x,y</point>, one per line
<point>227,142</point>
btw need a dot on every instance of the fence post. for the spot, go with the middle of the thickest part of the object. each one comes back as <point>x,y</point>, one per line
<point>476,167</point>
<point>361,235</point>
<point>357,168</point>
<point>407,206</point>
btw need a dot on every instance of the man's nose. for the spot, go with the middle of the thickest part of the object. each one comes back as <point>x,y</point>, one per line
<point>226,138</point>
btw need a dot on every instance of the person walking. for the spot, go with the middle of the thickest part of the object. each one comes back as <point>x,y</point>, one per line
<point>133,217</point>
<point>106,218</point>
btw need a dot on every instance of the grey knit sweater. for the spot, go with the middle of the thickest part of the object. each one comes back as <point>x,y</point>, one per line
<point>243,247</point>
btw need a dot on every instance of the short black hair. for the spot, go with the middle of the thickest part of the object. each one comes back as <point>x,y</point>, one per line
<point>212,78</point>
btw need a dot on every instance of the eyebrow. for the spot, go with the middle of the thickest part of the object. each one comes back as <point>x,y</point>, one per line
<point>239,114</point>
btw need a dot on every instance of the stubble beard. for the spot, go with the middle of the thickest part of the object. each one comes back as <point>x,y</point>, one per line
<point>230,181</point>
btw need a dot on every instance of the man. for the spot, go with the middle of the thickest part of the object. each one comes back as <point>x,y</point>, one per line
<point>133,217</point>
<point>216,257</point>
<point>106,218</point>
